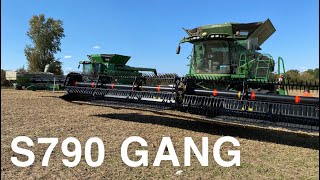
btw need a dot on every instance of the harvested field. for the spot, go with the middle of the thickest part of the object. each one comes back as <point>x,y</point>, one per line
<point>265,154</point>
<point>314,93</point>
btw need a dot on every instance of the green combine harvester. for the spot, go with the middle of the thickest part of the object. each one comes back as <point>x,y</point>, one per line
<point>111,65</point>
<point>228,78</point>
<point>109,68</point>
<point>229,52</point>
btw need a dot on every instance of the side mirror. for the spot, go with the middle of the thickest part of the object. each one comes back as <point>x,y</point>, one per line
<point>78,66</point>
<point>252,44</point>
<point>178,49</point>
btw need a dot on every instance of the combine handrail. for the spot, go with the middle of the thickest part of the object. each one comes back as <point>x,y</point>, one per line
<point>240,60</point>
<point>280,60</point>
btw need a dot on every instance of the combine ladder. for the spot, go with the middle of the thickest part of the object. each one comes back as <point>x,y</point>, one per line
<point>243,59</point>
<point>243,67</point>
<point>264,65</point>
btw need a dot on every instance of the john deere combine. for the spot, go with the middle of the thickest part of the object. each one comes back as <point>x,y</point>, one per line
<point>228,77</point>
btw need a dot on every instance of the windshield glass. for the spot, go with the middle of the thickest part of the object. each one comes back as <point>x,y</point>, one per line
<point>91,68</point>
<point>87,68</point>
<point>212,57</point>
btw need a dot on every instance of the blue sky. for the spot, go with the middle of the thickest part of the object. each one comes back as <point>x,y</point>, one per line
<point>149,31</point>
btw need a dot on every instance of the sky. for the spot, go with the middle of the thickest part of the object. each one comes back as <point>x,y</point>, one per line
<point>149,31</point>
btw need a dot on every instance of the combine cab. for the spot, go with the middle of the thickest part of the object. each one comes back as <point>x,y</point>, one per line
<point>228,78</point>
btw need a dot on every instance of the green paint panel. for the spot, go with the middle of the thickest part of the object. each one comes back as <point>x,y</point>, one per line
<point>115,59</point>
<point>119,59</point>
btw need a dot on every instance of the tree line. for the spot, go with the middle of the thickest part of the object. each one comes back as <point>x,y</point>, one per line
<point>45,35</point>
<point>310,75</point>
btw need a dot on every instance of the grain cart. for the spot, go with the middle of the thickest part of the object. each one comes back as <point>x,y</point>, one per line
<point>39,81</point>
<point>228,77</point>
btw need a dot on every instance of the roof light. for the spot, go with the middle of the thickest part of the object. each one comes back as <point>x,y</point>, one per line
<point>195,37</point>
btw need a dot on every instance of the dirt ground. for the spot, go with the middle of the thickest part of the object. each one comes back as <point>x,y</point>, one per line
<point>313,93</point>
<point>265,154</point>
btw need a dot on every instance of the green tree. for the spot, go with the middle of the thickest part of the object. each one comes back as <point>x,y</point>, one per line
<point>56,67</point>
<point>307,76</point>
<point>45,35</point>
<point>316,73</point>
<point>293,75</point>
<point>309,71</point>
<point>310,75</point>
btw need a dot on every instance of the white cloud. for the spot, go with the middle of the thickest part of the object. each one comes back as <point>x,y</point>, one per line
<point>67,57</point>
<point>302,69</point>
<point>96,47</point>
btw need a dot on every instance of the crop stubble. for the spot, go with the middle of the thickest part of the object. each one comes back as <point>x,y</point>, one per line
<point>264,153</point>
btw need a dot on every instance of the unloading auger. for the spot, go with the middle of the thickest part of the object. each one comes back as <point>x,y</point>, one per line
<point>228,78</point>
